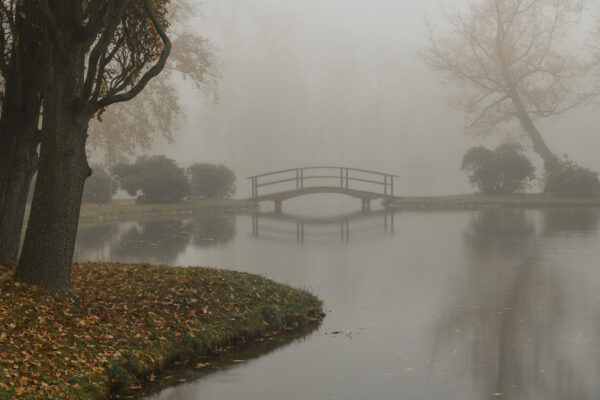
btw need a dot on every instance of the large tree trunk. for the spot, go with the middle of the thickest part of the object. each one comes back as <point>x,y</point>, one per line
<point>19,137</point>
<point>539,146</point>
<point>49,242</point>
<point>15,178</point>
<point>18,152</point>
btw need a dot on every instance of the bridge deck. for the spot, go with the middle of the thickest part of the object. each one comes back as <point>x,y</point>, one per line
<point>288,194</point>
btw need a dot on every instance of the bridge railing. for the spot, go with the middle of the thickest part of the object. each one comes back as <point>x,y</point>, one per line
<point>342,177</point>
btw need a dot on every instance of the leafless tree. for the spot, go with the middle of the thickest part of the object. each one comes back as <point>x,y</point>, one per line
<point>509,61</point>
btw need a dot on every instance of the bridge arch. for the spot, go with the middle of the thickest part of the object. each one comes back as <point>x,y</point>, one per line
<point>364,184</point>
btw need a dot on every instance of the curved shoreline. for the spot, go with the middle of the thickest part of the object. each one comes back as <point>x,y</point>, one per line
<point>124,322</point>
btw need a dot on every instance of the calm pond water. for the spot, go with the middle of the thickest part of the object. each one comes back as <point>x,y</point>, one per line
<point>484,304</point>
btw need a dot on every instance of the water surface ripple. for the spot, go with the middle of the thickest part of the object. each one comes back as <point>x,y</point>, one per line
<point>484,304</point>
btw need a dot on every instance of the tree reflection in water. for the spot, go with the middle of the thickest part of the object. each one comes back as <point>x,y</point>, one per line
<point>158,241</point>
<point>575,220</point>
<point>510,315</point>
<point>210,230</point>
<point>95,241</point>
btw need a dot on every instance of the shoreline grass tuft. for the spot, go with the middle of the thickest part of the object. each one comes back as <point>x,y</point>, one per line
<point>123,322</point>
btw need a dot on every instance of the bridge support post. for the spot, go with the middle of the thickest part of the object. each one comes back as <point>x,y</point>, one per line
<point>278,207</point>
<point>345,230</point>
<point>254,225</point>
<point>299,231</point>
<point>389,226</point>
<point>366,204</point>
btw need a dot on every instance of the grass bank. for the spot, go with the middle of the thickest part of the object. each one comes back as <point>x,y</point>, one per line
<point>125,322</point>
<point>468,201</point>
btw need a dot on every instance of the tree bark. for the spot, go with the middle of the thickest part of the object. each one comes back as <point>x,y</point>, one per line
<point>539,146</point>
<point>19,136</point>
<point>16,178</point>
<point>49,241</point>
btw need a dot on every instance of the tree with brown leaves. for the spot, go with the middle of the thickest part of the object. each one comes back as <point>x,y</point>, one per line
<point>506,57</point>
<point>96,53</point>
<point>127,128</point>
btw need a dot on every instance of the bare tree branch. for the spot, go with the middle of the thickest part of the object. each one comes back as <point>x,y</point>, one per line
<point>505,57</point>
<point>151,73</point>
<point>101,45</point>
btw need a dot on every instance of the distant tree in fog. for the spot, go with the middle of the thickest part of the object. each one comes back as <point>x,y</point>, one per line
<point>98,187</point>
<point>211,181</point>
<point>126,128</point>
<point>506,58</point>
<point>154,179</point>
<point>504,170</point>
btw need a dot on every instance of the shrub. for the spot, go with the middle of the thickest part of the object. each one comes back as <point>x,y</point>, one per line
<point>210,180</point>
<point>570,179</point>
<point>504,170</point>
<point>158,178</point>
<point>98,187</point>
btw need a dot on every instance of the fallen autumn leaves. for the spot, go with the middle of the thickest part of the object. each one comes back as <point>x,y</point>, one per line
<point>122,321</point>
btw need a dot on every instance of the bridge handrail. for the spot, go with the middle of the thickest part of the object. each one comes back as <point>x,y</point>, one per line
<point>304,168</point>
<point>344,177</point>
<point>319,177</point>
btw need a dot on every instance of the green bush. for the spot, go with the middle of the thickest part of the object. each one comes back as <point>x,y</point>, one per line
<point>504,170</point>
<point>570,179</point>
<point>153,179</point>
<point>211,181</point>
<point>98,187</point>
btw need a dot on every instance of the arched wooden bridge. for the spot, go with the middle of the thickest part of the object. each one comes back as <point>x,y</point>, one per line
<point>289,183</point>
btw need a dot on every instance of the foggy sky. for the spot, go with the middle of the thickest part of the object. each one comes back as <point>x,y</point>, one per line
<point>339,82</point>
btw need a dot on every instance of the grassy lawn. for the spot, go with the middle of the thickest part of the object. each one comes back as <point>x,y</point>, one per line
<point>129,209</point>
<point>481,201</point>
<point>121,323</point>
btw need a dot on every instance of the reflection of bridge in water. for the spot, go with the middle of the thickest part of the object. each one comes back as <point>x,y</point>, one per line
<point>285,227</point>
<point>360,183</point>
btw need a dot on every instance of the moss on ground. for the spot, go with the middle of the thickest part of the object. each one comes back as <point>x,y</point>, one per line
<point>469,201</point>
<point>123,322</point>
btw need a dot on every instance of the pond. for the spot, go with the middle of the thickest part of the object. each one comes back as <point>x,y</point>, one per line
<point>479,304</point>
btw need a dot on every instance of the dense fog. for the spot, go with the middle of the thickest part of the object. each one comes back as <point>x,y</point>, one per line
<point>340,82</point>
